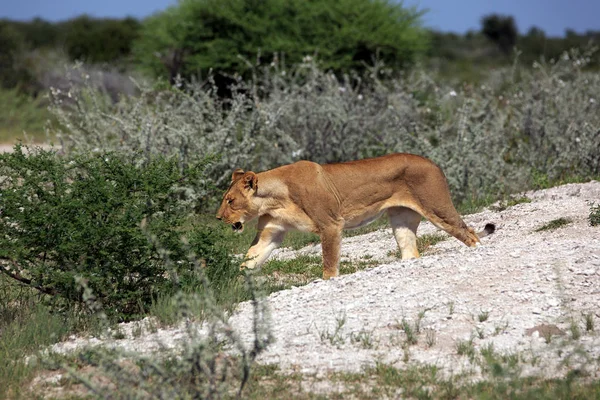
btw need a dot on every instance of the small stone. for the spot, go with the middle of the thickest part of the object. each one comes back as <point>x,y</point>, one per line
<point>553,302</point>
<point>587,272</point>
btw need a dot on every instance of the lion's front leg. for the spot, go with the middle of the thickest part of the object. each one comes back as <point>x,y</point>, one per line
<point>331,243</point>
<point>267,239</point>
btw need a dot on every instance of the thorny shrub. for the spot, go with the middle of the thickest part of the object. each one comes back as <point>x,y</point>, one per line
<point>78,218</point>
<point>490,138</point>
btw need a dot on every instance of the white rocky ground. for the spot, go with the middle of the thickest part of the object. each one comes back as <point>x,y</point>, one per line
<point>531,285</point>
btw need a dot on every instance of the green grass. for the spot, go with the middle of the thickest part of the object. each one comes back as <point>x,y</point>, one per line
<point>303,269</point>
<point>554,224</point>
<point>575,331</point>
<point>541,180</point>
<point>273,276</point>
<point>483,316</point>
<point>20,113</point>
<point>416,382</point>
<point>501,379</point>
<point>594,217</point>
<point>424,243</point>
<point>302,264</point>
<point>510,202</point>
<point>476,204</point>
<point>589,322</point>
<point>465,348</point>
<point>239,243</point>
<point>410,332</point>
<point>25,327</point>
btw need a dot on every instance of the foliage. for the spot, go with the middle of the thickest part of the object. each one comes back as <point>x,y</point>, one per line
<point>39,33</point>
<point>83,38</point>
<point>100,40</point>
<point>11,47</point>
<point>594,216</point>
<point>77,219</point>
<point>198,35</point>
<point>31,53</point>
<point>554,224</point>
<point>417,381</point>
<point>20,114</point>
<point>501,30</point>
<point>473,57</point>
<point>25,333</point>
<point>494,138</point>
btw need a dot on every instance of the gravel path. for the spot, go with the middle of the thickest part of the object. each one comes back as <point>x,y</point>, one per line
<point>528,284</point>
<point>8,148</point>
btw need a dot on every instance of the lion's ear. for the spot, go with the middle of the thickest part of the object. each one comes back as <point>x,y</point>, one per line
<point>250,180</point>
<point>237,174</point>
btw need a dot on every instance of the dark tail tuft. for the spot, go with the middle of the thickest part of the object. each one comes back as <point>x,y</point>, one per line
<point>487,230</point>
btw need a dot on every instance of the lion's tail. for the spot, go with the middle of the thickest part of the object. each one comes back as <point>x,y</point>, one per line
<point>488,229</point>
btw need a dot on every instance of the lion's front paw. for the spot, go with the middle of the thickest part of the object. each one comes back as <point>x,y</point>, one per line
<point>247,265</point>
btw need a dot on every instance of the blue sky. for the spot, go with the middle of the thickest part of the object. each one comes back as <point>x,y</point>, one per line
<point>553,16</point>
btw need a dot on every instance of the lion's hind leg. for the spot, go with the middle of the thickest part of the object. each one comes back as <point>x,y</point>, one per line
<point>405,222</point>
<point>447,218</point>
<point>331,244</point>
<point>432,200</point>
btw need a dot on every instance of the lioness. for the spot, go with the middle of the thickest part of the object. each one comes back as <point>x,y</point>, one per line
<point>325,199</point>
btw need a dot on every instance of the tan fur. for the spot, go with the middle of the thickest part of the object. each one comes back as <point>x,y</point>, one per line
<point>325,199</point>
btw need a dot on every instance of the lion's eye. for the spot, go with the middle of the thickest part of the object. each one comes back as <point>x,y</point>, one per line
<point>229,201</point>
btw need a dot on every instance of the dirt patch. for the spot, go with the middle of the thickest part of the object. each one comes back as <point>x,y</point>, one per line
<point>8,148</point>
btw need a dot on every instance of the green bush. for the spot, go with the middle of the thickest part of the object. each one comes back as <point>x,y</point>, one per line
<point>198,35</point>
<point>501,30</point>
<point>69,222</point>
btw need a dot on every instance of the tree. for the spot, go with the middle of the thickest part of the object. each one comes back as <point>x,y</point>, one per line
<point>12,45</point>
<point>501,30</point>
<point>38,33</point>
<point>197,35</point>
<point>99,40</point>
<point>536,33</point>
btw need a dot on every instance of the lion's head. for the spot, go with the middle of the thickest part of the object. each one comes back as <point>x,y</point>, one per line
<point>237,206</point>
